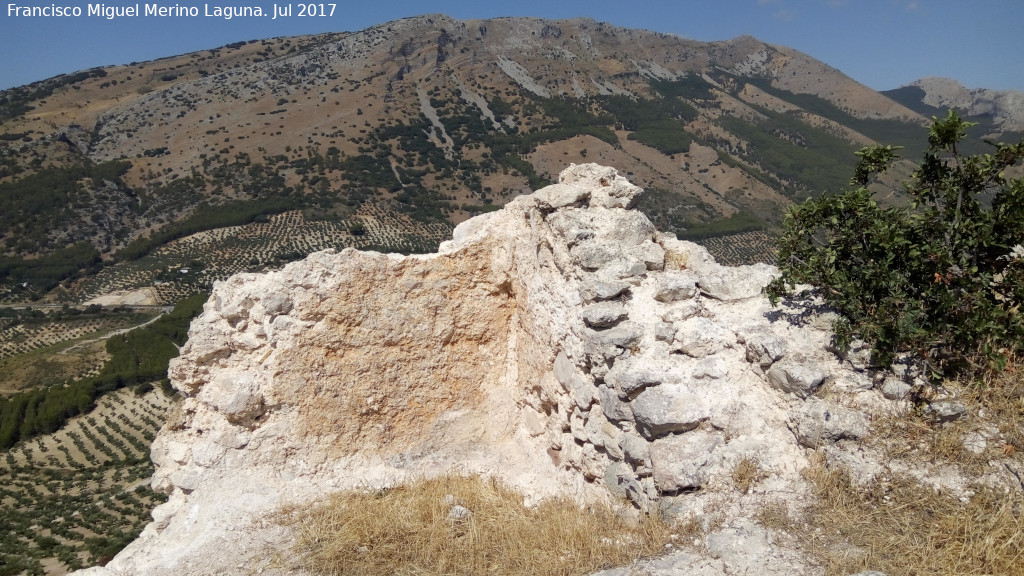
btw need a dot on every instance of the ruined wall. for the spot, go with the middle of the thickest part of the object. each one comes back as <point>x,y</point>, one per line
<point>561,344</point>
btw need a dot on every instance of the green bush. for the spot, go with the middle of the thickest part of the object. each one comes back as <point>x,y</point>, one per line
<point>939,282</point>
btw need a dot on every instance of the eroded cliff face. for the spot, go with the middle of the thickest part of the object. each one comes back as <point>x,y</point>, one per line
<point>561,344</point>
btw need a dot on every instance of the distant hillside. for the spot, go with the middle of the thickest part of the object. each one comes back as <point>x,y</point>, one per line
<point>386,137</point>
<point>1003,108</point>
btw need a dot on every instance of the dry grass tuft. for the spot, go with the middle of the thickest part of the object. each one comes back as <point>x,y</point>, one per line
<point>775,516</point>
<point>902,528</point>
<point>746,473</point>
<point>676,260</point>
<point>416,529</point>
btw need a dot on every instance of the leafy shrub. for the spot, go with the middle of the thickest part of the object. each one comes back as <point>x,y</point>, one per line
<point>939,282</point>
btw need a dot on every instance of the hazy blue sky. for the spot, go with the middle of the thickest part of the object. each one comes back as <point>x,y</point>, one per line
<point>881,43</point>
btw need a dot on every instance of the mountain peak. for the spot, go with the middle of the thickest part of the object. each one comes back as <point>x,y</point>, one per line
<point>1005,107</point>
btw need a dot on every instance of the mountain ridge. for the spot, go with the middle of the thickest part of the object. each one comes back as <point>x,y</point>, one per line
<point>405,129</point>
<point>1005,106</point>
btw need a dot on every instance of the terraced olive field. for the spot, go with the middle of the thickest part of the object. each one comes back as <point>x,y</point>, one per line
<point>41,348</point>
<point>75,497</point>
<point>739,249</point>
<point>193,263</point>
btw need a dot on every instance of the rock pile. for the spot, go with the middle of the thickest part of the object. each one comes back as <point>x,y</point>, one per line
<point>560,343</point>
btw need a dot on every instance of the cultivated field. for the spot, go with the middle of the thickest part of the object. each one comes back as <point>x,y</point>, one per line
<point>739,249</point>
<point>193,263</point>
<point>75,497</point>
<point>40,348</point>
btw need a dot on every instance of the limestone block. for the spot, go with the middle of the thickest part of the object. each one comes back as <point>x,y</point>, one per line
<point>604,314</point>
<point>629,376</point>
<point>236,395</point>
<point>609,190</point>
<point>764,348</point>
<point>594,463</point>
<point>712,368</point>
<point>684,310</point>
<point>665,331</point>
<point>895,388</point>
<point>560,195</point>
<point>620,481</point>
<point>636,449</point>
<point>795,377</point>
<point>947,410</point>
<point>629,266</point>
<point>681,462</point>
<point>592,255</point>
<point>577,426</point>
<point>602,288</point>
<point>624,335</point>
<point>611,439</point>
<point>617,478</point>
<point>667,409</point>
<point>816,422</point>
<point>614,409</point>
<point>699,337</point>
<point>580,387</point>
<point>676,285</point>
<point>277,303</point>
<point>594,428</point>
<point>652,255</point>
<point>723,283</point>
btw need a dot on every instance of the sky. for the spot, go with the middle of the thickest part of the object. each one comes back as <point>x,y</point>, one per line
<point>883,44</point>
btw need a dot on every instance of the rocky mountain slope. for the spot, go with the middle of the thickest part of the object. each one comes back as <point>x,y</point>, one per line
<point>1004,107</point>
<point>389,136</point>
<point>560,344</point>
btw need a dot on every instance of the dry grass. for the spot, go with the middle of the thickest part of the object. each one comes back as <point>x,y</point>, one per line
<point>412,529</point>
<point>1001,400</point>
<point>902,528</point>
<point>775,516</point>
<point>676,260</point>
<point>996,408</point>
<point>746,473</point>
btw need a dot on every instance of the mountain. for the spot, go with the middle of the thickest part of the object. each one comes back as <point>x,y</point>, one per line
<point>162,176</point>
<point>1002,110</point>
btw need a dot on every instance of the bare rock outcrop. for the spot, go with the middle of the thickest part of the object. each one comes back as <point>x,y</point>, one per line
<point>560,343</point>
<point>1006,107</point>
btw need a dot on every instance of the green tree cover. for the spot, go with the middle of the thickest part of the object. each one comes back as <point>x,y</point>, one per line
<point>33,206</point>
<point>803,156</point>
<point>892,131</point>
<point>913,98</point>
<point>808,158</point>
<point>137,357</point>
<point>45,272</point>
<point>738,223</point>
<point>90,510</point>
<point>36,204</point>
<point>659,123</point>
<point>36,317</point>
<point>940,282</point>
<point>15,101</point>
<point>268,196</point>
<point>690,87</point>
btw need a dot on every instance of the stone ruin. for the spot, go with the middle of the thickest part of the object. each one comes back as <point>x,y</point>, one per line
<point>561,344</point>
